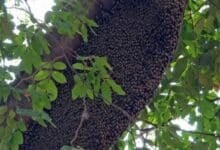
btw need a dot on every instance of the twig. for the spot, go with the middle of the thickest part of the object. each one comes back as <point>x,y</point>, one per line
<point>153,124</point>
<point>63,51</point>
<point>84,117</point>
<point>123,111</point>
<point>31,76</point>
<point>202,133</point>
<point>147,129</point>
<point>29,11</point>
<point>197,132</point>
<point>23,79</point>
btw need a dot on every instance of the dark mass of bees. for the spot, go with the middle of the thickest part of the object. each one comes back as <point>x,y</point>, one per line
<point>139,38</point>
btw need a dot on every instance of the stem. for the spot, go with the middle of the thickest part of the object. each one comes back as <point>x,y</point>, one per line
<point>32,75</point>
<point>123,111</point>
<point>202,133</point>
<point>84,117</point>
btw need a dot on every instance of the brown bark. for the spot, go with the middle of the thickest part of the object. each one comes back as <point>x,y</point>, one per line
<point>139,38</point>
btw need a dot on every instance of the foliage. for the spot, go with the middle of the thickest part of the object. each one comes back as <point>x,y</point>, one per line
<point>93,79</point>
<point>188,91</point>
<point>36,77</point>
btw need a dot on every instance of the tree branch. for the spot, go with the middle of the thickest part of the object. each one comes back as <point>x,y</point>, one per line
<point>84,117</point>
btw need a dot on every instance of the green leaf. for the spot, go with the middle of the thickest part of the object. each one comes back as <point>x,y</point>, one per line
<point>59,77</point>
<point>180,67</point>
<point>78,66</point>
<point>14,146</point>
<point>2,119</point>
<point>59,66</point>
<point>115,87</point>
<point>91,23</point>
<point>11,114</point>
<point>207,109</point>
<point>79,90</point>
<point>49,87</point>
<point>89,93</point>
<point>102,61</point>
<point>106,93</point>
<point>17,137</point>
<point>5,91</point>
<point>39,116</point>
<point>84,33</point>
<point>41,75</point>
<point>97,86</point>
<point>3,110</point>
<point>52,90</point>
<point>21,126</point>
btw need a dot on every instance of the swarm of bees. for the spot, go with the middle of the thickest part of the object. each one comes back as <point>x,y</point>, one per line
<point>139,38</point>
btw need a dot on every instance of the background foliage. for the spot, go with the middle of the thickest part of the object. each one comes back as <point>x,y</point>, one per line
<point>189,90</point>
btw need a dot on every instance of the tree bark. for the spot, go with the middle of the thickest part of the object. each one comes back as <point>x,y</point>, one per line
<point>139,38</point>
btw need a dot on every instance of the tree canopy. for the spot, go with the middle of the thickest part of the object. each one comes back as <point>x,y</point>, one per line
<point>188,91</point>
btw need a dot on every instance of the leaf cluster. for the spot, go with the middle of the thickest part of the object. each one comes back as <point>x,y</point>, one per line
<point>93,79</point>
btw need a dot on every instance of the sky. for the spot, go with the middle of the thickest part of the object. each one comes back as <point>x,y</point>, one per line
<point>38,8</point>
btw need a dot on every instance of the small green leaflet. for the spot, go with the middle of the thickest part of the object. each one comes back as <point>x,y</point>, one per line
<point>78,91</point>
<point>106,92</point>
<point>39,116</point>
<point>59,66</point>
<point>84,32</point>
<point>41,75</point>
<point>3,110</point>
<point>59,77</point>
<point>17,138</point>
<point>49,87</point>
<point>102,62</point>
<point>78,66</point>
<point>115,87</point>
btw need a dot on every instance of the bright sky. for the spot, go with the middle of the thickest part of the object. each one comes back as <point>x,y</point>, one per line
<point>38,8</point>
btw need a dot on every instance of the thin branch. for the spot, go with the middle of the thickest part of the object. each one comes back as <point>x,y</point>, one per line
<point>201,133</point>
<point>123,111</point>
<point>147,129</point>
<point>63,51</point>
<point>32,75</point>
<point>24,79</point>
<point>150,123</point>
<point>84,117</point>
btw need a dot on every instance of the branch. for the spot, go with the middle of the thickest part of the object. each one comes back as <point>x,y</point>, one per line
<point>84,117</point>
<point>202,133</point>
<point>123,111</point>
<point>32,75</point>
<point>147,129</point>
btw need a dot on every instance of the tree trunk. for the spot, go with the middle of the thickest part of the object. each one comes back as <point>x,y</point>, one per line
<point>139,38</point>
